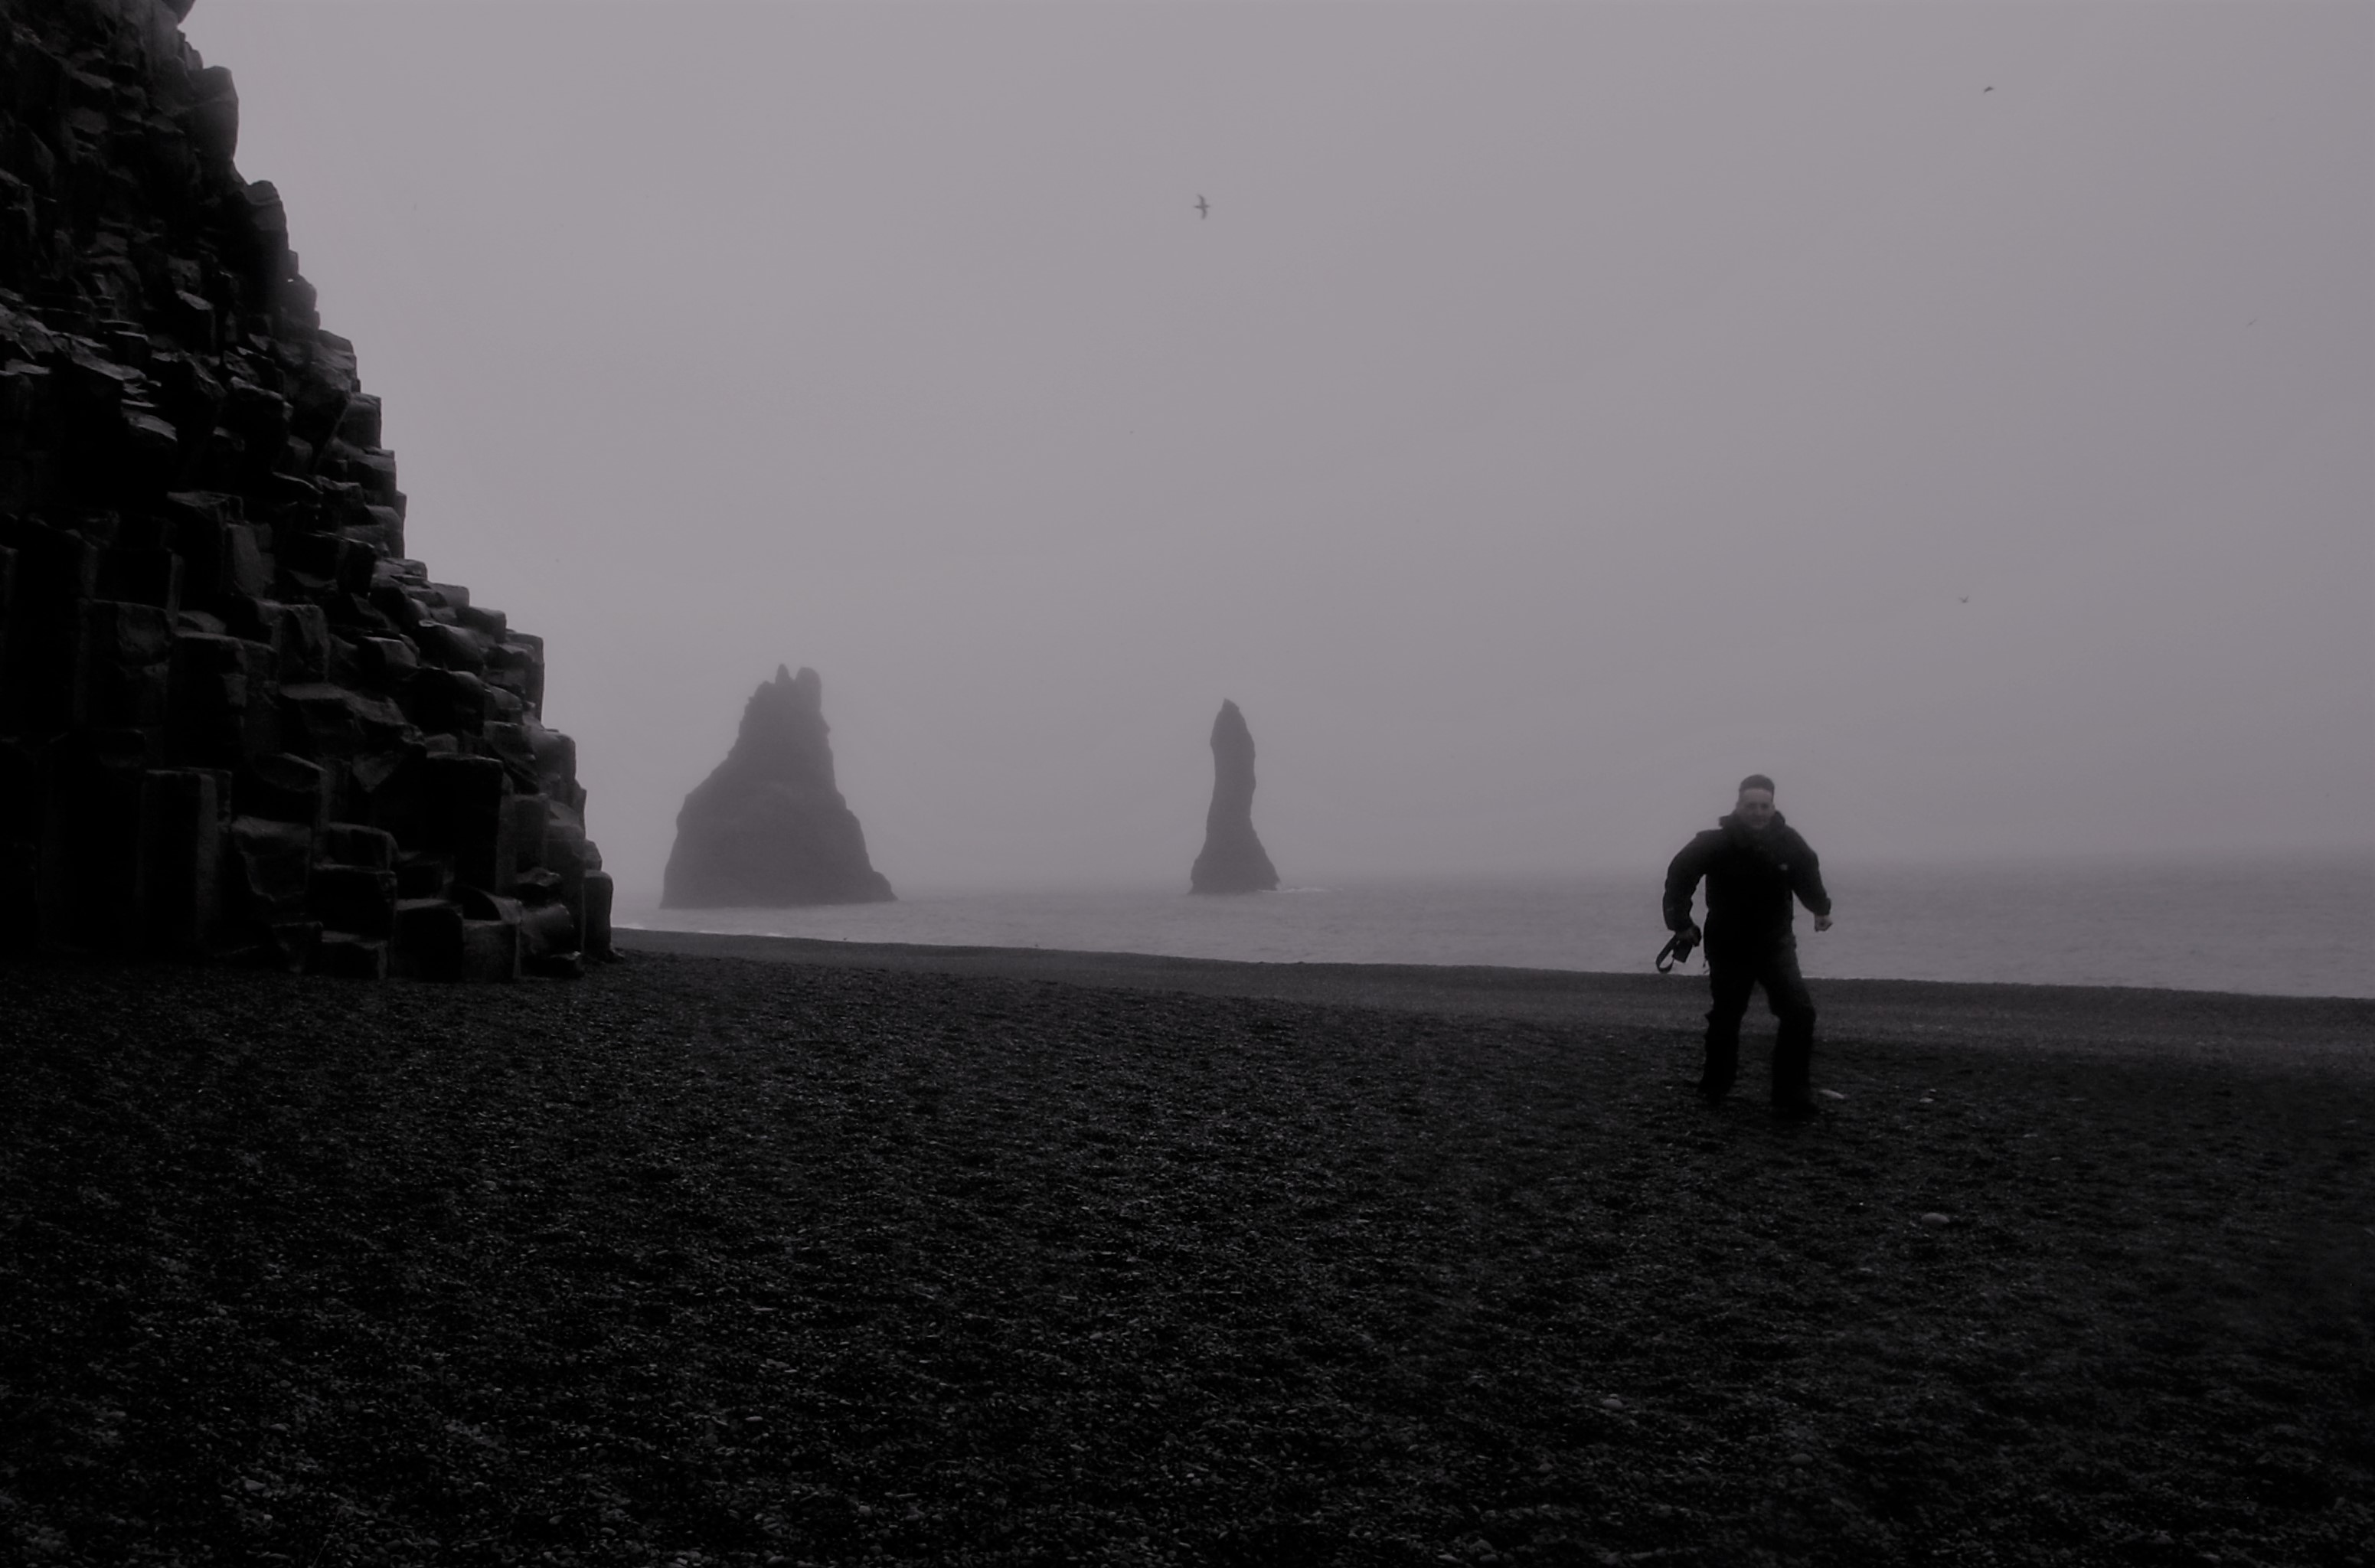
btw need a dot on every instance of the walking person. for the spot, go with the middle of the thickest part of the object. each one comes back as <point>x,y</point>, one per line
<point>1756,868</point>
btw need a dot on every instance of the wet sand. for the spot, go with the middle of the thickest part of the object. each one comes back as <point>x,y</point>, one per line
<point>749,1251</point>
<point>2065,1020</point>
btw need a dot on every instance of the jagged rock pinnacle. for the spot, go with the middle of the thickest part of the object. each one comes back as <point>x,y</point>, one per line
<point>1233,860</point>
<point>768,829</point>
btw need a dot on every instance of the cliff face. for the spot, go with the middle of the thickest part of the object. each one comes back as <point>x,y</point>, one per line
<point>235,719</point>
<point>768,829</point>
<point>1233,860</point>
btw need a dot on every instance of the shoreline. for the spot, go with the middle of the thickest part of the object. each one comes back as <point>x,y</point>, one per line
<point>2281,930</point>
<point>2112,1020</point>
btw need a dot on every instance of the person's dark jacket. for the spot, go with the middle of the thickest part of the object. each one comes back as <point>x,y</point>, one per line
<point>1750,878</point>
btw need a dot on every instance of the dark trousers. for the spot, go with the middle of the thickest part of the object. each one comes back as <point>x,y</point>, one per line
<point>1732,976</point>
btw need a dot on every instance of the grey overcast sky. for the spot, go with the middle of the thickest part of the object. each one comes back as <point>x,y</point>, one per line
<point>1564,409</point>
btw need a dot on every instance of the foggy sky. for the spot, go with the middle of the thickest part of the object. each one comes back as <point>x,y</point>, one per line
<point>1564,410</point>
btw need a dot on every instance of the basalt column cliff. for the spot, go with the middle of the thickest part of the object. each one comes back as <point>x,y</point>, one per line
<point>235,719</point>
<point>768,829</point>
<point>1233,860</point>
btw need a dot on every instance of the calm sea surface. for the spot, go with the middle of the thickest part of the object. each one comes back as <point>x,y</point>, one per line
<point>2288,927</point>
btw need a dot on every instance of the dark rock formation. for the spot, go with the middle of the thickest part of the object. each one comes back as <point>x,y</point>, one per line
<point>1233,860</point>
<point>768,829</point>
<point>235,719</point>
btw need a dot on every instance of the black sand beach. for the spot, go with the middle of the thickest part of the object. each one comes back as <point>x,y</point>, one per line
<point>751,1251</point>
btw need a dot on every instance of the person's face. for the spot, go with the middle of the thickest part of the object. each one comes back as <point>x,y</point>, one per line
<point>1755,809</point>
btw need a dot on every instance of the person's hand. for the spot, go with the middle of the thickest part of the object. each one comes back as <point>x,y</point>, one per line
<point>1692,933</point>
<point>1822,922</point>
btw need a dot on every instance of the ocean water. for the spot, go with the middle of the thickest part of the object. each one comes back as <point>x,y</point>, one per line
<point>2289,927</point>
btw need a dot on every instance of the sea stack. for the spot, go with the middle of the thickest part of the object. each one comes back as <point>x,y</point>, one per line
<point>768,829</point>
<point>1233,860</point>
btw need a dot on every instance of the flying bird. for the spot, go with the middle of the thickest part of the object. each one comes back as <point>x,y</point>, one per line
<point>1964,599</point>
<point>1203,208</point>
<point>1987,89</point>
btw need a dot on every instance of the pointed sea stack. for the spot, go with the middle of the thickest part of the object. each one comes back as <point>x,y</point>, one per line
<point>1233,860</point>
<point>768,829</point>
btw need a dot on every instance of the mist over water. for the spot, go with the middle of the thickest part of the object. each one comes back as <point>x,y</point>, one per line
<point>1957,411</point>
<point>2296,926</point>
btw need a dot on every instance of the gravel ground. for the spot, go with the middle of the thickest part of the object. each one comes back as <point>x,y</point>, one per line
<point>710,1259</point>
